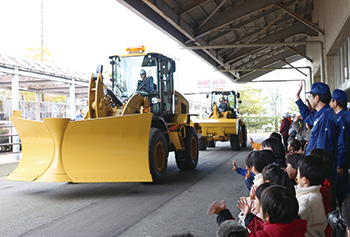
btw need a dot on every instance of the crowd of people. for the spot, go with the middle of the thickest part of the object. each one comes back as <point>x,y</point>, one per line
<point>296,180</point>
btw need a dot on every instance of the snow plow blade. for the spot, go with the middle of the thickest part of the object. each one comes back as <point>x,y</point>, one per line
<point>111,149</point>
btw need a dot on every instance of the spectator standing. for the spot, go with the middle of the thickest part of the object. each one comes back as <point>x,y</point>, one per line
<point>81,115</point>
<point>338,103</point>
<point>324,133</point>
<point>284,129</point>
<point>303,129</point>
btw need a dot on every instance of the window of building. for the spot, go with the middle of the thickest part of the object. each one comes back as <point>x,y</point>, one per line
<point>341,64</point>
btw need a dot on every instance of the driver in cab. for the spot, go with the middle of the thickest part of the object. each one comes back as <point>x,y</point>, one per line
<point>146,83</point>
<point>224,105</point>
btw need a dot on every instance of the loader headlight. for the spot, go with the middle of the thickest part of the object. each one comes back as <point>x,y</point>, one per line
<point>155,100</point>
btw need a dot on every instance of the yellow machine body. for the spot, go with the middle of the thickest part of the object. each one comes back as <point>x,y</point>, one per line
<point>115,142</point>
<point>219,126</point>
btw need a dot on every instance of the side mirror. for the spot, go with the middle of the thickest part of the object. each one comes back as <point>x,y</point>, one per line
<point>99,68</point>
<point>171,66</point>
<point>207,95</point>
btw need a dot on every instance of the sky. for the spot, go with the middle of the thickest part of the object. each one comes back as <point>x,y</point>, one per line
<point>82,34</point>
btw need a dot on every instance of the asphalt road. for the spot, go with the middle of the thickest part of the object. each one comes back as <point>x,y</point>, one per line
<point>126,209</point>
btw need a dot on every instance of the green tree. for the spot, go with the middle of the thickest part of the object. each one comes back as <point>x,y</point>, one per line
<point>292,108</point>
<point>5,94</point>
<point>27,96</point>
<point>251,102</point>
<point>61,99</point>
<point>40,54</point>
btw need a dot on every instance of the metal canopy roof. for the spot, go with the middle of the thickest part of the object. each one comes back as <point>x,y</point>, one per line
<point>41,77</point>
<point>234,35</point>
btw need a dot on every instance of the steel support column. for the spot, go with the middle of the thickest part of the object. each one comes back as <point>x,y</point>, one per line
<point>72,104</point>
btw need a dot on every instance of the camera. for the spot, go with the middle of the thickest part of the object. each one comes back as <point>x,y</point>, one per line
<point>337,224</point>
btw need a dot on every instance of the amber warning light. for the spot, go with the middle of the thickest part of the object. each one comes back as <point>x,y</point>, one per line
<point>138,49</point>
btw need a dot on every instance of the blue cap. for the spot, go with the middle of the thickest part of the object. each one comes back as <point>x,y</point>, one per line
<point>319,88</point>
<point>339,95</point>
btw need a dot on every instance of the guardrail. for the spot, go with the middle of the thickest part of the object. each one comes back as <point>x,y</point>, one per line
<point>9,140</point>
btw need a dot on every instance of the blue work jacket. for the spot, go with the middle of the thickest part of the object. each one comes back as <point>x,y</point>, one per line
<point>146,85</point>
<point>343,117</point>
<point>325,131</point>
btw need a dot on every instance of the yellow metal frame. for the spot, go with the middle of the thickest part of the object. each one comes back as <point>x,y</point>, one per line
<point>111,149</point>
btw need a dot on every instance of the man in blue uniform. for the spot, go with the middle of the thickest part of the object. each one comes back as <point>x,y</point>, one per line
<point>324,133</point>
<point>339,105</point>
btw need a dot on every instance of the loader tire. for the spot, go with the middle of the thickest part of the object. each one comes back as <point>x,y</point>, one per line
<point>244,136</point>
<point>202,144</point>
<point>235,140</point>
<point>188,159</point>
<point>211,143</point>
<point>158,155</point>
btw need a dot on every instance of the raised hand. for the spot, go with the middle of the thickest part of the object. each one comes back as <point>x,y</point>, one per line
<point>244,205</point>
<point>234,165</point>
<point>299,90</point>
<point>216,207</point>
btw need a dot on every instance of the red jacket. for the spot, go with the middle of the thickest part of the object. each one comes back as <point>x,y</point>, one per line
<point>296,228</point>
<point>285,124</point>
<point>255,224</point>
<point>326,191</point>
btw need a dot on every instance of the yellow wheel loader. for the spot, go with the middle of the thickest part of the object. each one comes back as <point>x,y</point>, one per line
<point>126,134</point>
<point>222,123</point>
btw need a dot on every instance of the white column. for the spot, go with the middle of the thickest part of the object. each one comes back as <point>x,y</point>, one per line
<point>15,106</point>
<point>37,100</point>
<point>15,90</point>
<point>72,100</point>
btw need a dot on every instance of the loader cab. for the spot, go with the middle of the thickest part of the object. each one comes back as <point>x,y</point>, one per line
<point>126,74</point>
<point>229,97</point>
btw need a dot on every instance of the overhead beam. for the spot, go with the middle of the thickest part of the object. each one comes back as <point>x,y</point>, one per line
<point>43,76</point>
<point>211,39</point>
<point>277,57</point>
<point>300,18</point>
<point>255,74</point>
<point>212,14</point>
<point>192,5</point>
<point>275,37</point>
<point>235,13</point>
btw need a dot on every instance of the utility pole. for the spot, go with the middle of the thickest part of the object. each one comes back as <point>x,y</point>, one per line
<point>42,31</point>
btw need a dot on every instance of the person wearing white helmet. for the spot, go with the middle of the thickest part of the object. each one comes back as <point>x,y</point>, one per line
<point>146,82</point>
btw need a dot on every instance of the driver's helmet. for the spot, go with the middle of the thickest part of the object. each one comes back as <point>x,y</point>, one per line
<point>142,72</point>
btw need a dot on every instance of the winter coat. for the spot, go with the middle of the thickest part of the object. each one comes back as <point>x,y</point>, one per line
<point>285,127</point>
<point>310,201</point>
<point>296,228</point>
